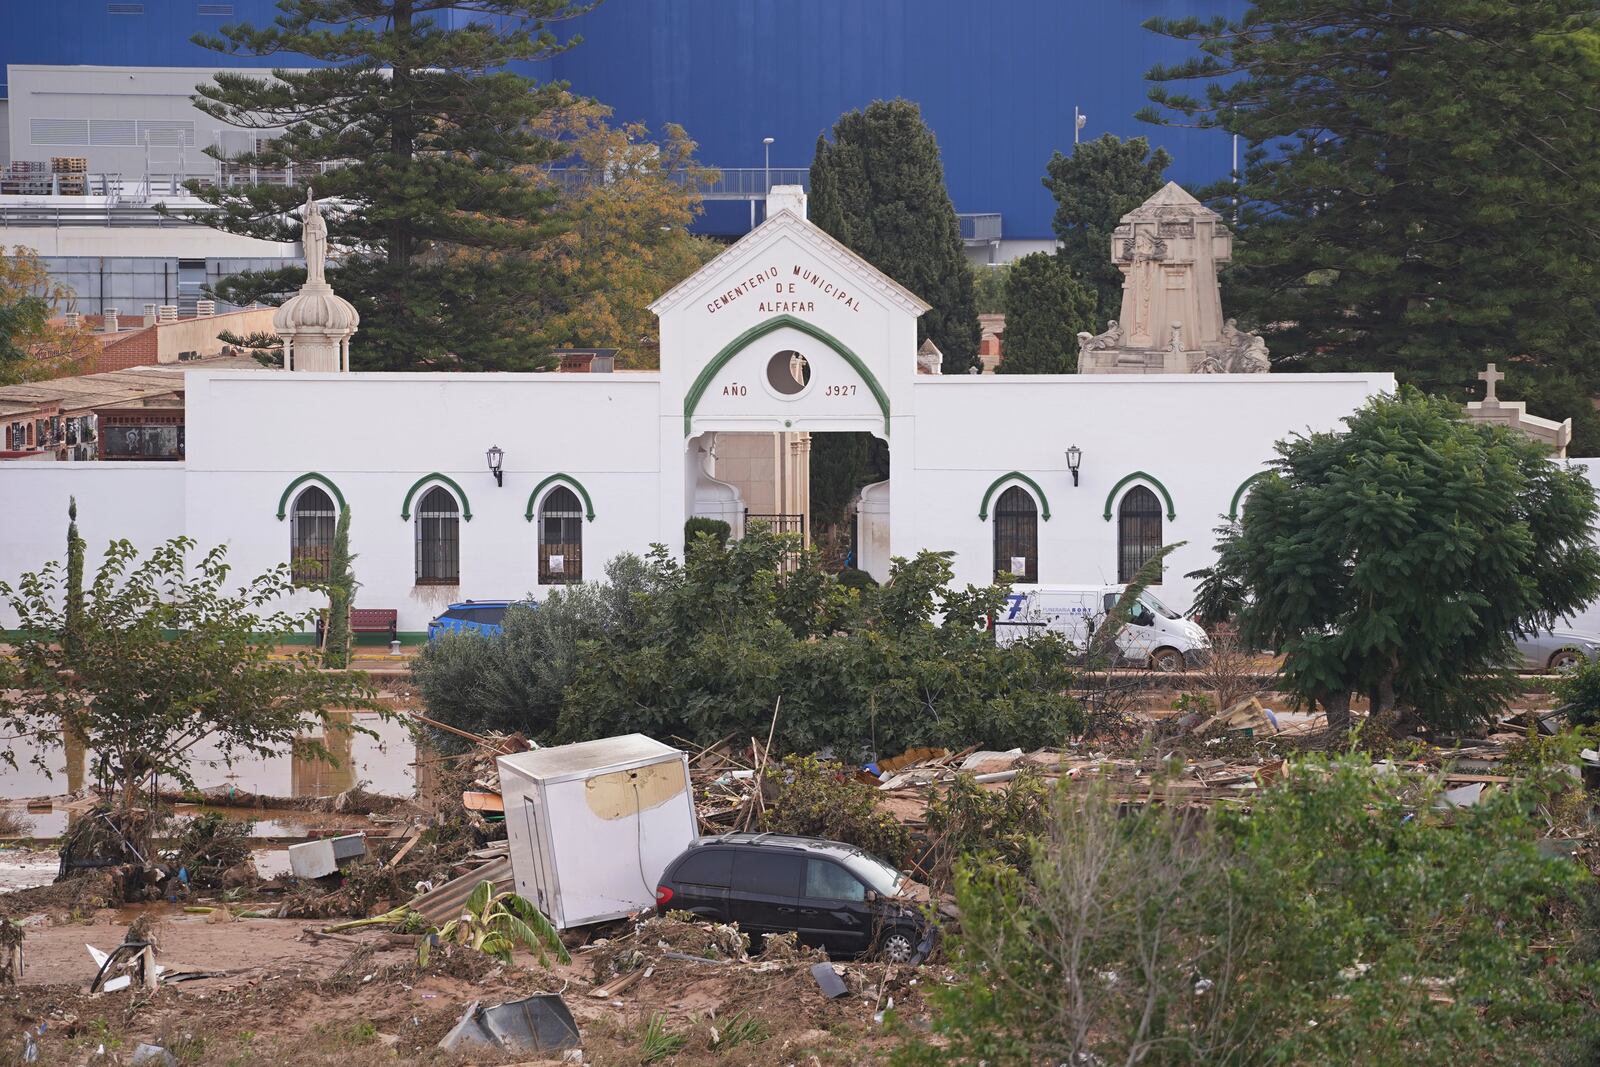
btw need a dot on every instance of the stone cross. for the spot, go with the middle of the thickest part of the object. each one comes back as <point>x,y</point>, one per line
<point>1489,378</point>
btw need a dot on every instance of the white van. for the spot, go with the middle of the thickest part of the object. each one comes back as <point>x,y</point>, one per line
<point>1156,636</point>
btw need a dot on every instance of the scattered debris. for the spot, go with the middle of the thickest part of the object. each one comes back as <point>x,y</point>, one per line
<point>11,937</point>
<point>829,980</point>
<point>535,1024</point>
<point>318,859</point>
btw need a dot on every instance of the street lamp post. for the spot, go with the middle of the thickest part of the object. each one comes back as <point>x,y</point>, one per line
<point>1079,121</point>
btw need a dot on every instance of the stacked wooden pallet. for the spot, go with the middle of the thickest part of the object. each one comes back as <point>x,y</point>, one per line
<point>71,174</point>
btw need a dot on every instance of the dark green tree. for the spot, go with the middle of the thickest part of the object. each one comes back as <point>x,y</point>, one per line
<point>1100,182</point>
<point>1399,558</point>
<point>421,158</point>
<point>879,188</point>
<point>1418,189</point>
<point>841,463</point>
<point>1046,307</point>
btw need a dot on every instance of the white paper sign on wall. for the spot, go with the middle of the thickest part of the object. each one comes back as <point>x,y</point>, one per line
<point>1019,565</point>
<point>558,563</point>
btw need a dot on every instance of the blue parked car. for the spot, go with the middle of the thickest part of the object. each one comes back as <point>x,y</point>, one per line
<point>485,617</point>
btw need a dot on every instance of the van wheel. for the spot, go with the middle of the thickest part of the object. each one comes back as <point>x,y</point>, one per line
<point>1166,660</point>
<point>897,945</point>
<point>1566,659</point>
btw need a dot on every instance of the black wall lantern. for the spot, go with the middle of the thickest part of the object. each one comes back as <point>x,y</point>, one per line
<point>497,455</point>
<point>1074,457</point>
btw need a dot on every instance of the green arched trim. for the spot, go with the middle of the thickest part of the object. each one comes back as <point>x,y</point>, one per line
<point>533,497</point>
<point>466,508</point>
<point>760,330</point>
<point>1140,476</point>
<point>321,479</point>
<point>1238,494</point>
<point>1014,476</point>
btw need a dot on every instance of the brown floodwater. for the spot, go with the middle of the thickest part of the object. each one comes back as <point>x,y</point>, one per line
<point>383,762</point>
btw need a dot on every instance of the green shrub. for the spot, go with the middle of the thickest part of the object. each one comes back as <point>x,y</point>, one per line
<point>968,821</point>
<point>815,798</point>
<point>1343,918</point>
<point>856,578</point>
<point>1578,691</point>
<point>697,525</point>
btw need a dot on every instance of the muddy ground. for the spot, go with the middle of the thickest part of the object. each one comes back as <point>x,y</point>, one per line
<point>294,994</point>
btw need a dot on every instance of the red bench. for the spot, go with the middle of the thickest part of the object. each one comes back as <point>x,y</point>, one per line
<point>366,621</point>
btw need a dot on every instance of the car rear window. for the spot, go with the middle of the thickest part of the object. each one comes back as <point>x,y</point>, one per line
<point>708,867</point>
<point>492,616</point>
<point>829,881</point>
<point>774,874</point>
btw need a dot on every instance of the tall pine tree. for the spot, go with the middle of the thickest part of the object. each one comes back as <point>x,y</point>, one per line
<point>1100,182</point>
<point>1046,307</point>
<point>879,188</point>
<point>1418,193</point>
<point>419,134</point>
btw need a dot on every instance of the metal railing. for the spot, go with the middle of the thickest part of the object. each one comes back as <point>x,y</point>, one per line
<point>733,183</point>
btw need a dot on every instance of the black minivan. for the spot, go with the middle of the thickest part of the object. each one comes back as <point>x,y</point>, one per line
<point>834,896</point>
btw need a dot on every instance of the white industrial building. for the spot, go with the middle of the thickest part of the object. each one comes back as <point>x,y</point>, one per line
<point>786,333</point>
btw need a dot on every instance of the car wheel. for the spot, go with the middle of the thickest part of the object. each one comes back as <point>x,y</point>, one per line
<point>897,945</point>
<point>1166,660</point>
<point>1565,660</point>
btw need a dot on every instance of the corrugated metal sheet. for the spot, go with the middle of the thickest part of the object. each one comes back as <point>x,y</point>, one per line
<point>443,903</point>
<point>997,82</point>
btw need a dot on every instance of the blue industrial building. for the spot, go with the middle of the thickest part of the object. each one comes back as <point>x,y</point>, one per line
<point>997,81</point>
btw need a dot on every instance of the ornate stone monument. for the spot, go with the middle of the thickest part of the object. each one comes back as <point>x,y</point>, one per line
<point>1168,249</point>
<point>315,323</point>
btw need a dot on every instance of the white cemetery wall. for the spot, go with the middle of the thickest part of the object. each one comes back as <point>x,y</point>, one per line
<point>137,501</point>
<point>380,437</point>
<point>1191,439</point>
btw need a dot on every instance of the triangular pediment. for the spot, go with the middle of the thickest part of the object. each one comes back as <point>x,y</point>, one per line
<point>787,226</point>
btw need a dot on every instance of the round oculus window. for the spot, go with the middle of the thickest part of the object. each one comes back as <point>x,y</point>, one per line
<point>788,373</point>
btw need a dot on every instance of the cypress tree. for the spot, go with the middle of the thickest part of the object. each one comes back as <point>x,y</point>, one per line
<point>1046,307</point>
<point>1100,182</point>
<point>879,188</point>
<point>1418,190</point>
<point>72,638</point>
<point>422,140</point>
<point>341,585</point>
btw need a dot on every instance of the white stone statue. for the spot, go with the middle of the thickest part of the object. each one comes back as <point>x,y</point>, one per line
<point>314,240</point>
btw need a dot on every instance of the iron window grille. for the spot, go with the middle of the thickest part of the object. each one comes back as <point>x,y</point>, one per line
<point>438,539</point>
<point>311,535</point>
<point>560,538</point>
<point>1138,532</point>
<point>1016,535</point>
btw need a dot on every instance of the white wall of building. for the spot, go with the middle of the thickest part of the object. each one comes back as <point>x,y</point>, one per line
<point>139,502</point>
<point>126,120</point>
<point>375,435</point>
<point>1199,435</point>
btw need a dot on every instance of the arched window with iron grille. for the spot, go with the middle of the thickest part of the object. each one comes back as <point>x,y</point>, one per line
<point>311,526</point>
<point>1138,532</point>
<point>560,538</point>
<point>438,524</point>
<point>1016,535</point>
